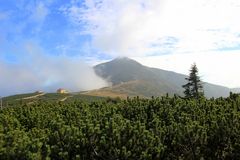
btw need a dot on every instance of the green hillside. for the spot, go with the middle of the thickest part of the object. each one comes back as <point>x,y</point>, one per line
<point>30,98</point>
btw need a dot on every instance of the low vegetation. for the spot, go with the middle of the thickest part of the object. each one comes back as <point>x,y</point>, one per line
<point>157,128</point>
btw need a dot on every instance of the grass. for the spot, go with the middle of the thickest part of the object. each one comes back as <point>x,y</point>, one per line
<point>48,97</point>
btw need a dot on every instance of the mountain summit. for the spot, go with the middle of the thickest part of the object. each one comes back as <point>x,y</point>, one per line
<point>121,70</point>
<point>130,78</point>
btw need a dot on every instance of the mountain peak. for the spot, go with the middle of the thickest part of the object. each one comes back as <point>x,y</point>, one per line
<point>124,59</point>
<point>121,63</point>
<point>121,69</point>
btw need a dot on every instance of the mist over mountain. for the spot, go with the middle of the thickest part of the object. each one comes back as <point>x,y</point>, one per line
<point>235,90</point>
<point>134,79</point>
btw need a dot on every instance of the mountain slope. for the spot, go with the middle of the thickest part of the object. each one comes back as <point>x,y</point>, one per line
<point>235,90</point>
<point>124,70</point>
<point>133,79</point>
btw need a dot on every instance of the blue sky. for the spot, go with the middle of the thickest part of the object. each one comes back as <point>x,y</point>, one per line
<point>42,23</point>
<point>42,49</point>
<point>165,34</point>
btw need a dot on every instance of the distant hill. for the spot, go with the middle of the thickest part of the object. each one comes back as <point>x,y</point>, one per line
<point>235,90</point>
<point>130,78</point>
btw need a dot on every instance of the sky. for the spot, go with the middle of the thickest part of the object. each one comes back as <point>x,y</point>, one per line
<point>51,44</point>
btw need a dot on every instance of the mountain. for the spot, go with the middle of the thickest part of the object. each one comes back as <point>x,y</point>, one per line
<point>235,90</point>
<point>130,78</point>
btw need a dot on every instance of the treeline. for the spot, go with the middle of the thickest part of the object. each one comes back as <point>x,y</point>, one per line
<point>157,128</point>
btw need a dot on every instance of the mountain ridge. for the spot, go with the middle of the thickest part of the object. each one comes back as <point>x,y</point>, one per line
<point>122,72</point>
<point>235,90</point>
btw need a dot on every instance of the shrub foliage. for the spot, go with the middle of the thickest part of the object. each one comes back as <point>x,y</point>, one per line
<point>157,128</point>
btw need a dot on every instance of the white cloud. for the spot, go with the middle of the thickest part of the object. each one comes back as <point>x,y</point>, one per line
<point>129,28</point>
<point>40,72</point>
<point>204,31</point>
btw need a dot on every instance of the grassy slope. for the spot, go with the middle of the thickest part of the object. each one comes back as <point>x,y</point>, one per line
<point>48,97</point>
<point>130,89</point>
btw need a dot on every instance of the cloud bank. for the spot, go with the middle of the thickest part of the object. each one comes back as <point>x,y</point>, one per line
<point>166,34</point>
<point>140,27</point>
<point>38,71</point>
